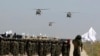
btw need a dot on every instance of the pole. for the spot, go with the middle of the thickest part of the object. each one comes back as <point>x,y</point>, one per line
<point>92,48</point>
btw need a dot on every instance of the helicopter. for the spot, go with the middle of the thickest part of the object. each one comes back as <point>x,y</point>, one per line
<point>50,23</point>
<point>38,11</point>
<point>69,14</point>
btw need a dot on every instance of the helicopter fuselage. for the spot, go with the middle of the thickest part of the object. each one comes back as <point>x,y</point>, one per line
<point>69,14</point>
<point>38,12</point>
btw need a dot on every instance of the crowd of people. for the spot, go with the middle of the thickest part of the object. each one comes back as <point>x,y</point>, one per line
<point>40,47</point>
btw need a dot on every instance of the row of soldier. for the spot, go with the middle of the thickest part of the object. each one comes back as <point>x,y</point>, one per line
<point>34,47</point>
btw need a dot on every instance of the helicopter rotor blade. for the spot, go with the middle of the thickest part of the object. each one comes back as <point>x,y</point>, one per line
<point>72,12</point>
<point>43,9</point>
<point>34,9</point>
<point>40,9</point>
<point>75,12</point>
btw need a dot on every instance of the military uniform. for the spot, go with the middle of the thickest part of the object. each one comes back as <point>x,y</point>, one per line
<point>58,49</point>
<point>77,44</point>
<point>45,48</point>
<point>64,49</point>
<point>53,49</point>
<point>29,49</point>
<point>40,49</point>
<point>68,47</point>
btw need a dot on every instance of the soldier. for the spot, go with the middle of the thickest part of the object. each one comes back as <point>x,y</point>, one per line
<point>53,48</point>
<point>45,48</point>
<point>49,47</point>
<point>33,48</point>
<point>77,45</point>
<point>65,49</point>
<point>21,48</point>
<point>14,48</point>
<point>68,47</point>
<point>29,49</point>
<point>58,49</point>
<point>40,48</point>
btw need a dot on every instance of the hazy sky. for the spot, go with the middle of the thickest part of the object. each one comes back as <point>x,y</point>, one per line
<point>19,16</point>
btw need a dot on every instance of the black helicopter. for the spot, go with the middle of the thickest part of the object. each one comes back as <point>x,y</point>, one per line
<point>38,11</point>
<point>69,14</point>
<point>50,23</point>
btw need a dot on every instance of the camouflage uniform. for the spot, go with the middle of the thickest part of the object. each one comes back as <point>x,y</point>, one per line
<point>21,47</point>
<point>33,48</point>
<point>40,49</point>
<point>14,48</point>
<point>58,49</point>
<point>77,44</point>
<point>29,49</point>
<point>53,49</point>
<point>64,49</point>
<point>68,47</point>
<point>45,48</point>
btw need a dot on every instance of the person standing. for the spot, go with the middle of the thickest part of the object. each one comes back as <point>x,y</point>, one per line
<point>68,47</point>
<point>78,45</point>
<point>40,48</point>
<point>64,49</point>
<point>53,48</point>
